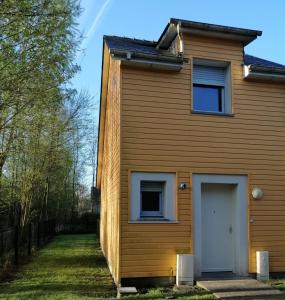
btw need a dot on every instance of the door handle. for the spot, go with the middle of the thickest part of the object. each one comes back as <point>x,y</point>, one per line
<point>231,229</point>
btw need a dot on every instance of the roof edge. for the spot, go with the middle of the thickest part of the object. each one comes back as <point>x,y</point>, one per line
<point>138,41</point>
<point>162,62</point>
<point>129,55</point>
<point>102,113</point>
<point>264,73</point>
<point>206,29</point>
<point>269,70</point>
<point>214,27</point>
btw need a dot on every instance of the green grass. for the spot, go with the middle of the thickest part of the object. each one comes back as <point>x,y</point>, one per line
<point>73,267</point>
<point>278,283</point>
<point>168,293</point>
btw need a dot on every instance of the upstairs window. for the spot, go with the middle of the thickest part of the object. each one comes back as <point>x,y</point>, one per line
<point>211,87</point>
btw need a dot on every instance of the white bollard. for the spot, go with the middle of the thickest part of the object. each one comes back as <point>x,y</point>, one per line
<point>262,265</point>
<point>184,269</point>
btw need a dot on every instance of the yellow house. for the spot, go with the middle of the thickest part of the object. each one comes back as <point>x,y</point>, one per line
<point>191,153</point>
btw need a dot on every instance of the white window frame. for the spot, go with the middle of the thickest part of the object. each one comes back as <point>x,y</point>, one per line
<point>226,88</point>
<point>169,196</point>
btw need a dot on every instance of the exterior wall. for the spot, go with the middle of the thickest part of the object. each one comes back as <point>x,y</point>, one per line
<point>159,133</point>
<point>110,182</point>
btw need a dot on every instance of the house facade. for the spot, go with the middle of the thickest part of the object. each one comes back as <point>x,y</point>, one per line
<point>190,153</point>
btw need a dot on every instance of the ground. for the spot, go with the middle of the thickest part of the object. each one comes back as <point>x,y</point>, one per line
<point>278,283</point>
<point>70,267</point>
<point>73,267</point>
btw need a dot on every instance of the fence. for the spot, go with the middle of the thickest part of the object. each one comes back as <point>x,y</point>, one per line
<point>17,242</point>
<point>85,223</point>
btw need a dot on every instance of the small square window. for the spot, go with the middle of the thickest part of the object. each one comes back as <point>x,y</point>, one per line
<point>211,87</point>
<point>152,198</point>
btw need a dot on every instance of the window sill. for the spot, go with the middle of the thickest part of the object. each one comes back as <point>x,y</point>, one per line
<point>153,221</point>
<point>211,113</point>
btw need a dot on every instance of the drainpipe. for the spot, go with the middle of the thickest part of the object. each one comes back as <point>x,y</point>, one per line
<point>180,40</point>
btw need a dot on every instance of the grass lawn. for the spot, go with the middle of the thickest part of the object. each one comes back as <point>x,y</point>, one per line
<point>278,283</point>
<point>70,267</point>
<point>160,294</point>
<point>73,267</point>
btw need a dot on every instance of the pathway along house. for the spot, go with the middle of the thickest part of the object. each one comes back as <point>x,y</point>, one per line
<point>191,153</point>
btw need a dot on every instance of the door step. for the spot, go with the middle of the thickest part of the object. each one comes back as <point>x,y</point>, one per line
<point>125,291</point>
<point>246,288</point>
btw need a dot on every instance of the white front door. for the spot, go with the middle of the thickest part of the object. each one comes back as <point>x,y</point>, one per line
<point>217,205</point>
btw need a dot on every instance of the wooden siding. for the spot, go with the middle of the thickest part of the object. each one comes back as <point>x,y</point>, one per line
<point>159,132</point>
<point>110,177</point>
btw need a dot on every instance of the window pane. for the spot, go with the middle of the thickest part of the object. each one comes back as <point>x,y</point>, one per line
<point>150,201</point>
<point>207,98</point>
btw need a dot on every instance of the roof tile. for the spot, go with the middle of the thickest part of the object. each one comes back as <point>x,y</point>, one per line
<point>133,45</point>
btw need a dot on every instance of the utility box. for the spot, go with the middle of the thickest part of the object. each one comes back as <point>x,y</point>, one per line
<point>184,269</point>
<point>262,265</point>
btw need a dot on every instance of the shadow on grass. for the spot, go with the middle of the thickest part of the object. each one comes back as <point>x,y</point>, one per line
<point>82,261</point>
<point>91,290</point>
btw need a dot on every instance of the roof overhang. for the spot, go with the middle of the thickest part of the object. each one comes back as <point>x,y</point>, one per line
<point>274,74</point>
<point>169,34</point>
<point>160,62</point>
<point>245,36</point>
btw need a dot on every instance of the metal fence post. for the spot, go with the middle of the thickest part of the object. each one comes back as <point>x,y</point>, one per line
<point>30,238</point>
<point>16,244</point>
<point>39,234</point>
<point>98,228</point>
<point>45,230</point>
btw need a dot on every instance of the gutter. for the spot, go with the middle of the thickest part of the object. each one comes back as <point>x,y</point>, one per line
<point>217,28</point>
<point>246,36</point>
<point>160,61</point>
<point>275,74</point>
<point>273,70</point>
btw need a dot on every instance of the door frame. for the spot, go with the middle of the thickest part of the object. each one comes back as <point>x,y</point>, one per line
<point>241,219</point>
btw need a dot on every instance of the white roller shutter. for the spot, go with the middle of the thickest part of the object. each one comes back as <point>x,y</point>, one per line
<point>209,75</point>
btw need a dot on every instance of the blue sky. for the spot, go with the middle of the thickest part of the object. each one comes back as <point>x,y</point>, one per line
<point>146,19</point>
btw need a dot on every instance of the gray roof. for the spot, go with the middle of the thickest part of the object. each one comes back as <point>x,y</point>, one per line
<point>149,48</point>
<point>256,61</point>
<point>132,45</point>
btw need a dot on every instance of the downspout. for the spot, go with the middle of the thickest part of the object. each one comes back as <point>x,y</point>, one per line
<point>180,40</point>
